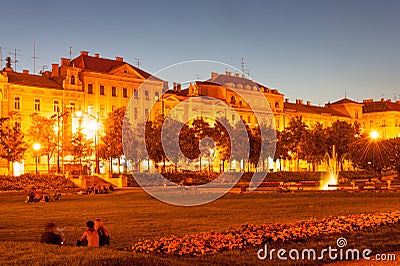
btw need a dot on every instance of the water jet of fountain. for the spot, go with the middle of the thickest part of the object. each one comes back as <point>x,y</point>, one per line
<point>331,177</point>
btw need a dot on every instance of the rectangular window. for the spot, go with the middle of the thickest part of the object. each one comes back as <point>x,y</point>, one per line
<point>114,91</point>
<point>146,113</point>
<point>135,113</point>
<point>102,109</point>
<point>248,119</point>
<point>90,88</point>
<point>233,118</point>
<point>37,104</point>
<point>136,94</point>
<point>56,106</point>
<point>17,103</point>
<point>90,109</point>
<point>125,92</point>
<point>101,90</point>
<point>112,108</point>
<point>72,107</point>
<point>156,95</point>
<point>146,95</point>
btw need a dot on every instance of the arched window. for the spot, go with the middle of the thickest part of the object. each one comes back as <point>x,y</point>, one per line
<point>233,100</point>
<point>73,80</point>
<point>276,104</point>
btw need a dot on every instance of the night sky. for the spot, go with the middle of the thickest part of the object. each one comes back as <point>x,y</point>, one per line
<point>311,50</point>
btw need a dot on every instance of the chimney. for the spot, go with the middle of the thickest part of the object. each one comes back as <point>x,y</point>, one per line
<point>286,100</point>
<point>55,70</point>
<point>174,86</point>
<point>65,62</point>
<point>214,75</point>
<point>25,71</point>
<point>228,73</point>
<point>96,55</point>
<point>237,75</point>
<point>389,100</point>
<point>308,103</point>
<point>300,101</point>
<point>382,100</point>
<point>119,59</point>
<point>85,53</point>
<point>178,87</point>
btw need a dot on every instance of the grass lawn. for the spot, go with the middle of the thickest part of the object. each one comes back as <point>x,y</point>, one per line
<point>133,215</point>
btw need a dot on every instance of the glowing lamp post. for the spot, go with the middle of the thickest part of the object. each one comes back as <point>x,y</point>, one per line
<point>36,148</point>
<point>95,128</point>
<point>374,135</point>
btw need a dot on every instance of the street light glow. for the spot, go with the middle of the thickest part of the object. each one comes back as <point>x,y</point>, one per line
<point>36,146</point>
<point>374,134</point>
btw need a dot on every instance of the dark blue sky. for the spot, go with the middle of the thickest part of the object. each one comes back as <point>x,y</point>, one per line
<point>311,50</point>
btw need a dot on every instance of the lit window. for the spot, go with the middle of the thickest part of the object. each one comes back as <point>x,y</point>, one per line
<point>146,95</point>
<point>125,92</point>
<point>37,104</point>
<point>135,113</point>
<point>72,80</point>
<point>90,89</point>
<point>56,106</point>
<point>114,91</point>
<point>146,113</point>
<point>136,94</point>
<point>101,90</point>
<point>17,103</point>
<point>156,95</point>
<point>72,107</point>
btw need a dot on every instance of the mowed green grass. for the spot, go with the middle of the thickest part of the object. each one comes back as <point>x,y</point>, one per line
<point>134,215</point>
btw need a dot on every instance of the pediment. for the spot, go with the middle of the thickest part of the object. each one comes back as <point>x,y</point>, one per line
<point>126,70</point>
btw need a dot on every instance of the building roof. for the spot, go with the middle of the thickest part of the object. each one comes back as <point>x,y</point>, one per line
<point>32,80</point>
<point>104,65</point>
<point>312,109</point>
<point>382,106</point>
<point>223,79</point>
<point>345,101</point>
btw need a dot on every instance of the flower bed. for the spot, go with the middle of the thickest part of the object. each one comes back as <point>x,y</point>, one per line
<point>249,235</point>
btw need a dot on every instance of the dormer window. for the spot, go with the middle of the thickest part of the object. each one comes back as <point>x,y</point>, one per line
<point>233,100</point>
<point>72,80</point>
<point>276,104</point>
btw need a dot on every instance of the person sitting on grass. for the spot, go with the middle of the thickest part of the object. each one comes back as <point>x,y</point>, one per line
<point>104,235</point>
<point>90,237</point>
<point>50,236</point>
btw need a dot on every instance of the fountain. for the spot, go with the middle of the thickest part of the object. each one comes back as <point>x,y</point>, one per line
<point>331,177</point>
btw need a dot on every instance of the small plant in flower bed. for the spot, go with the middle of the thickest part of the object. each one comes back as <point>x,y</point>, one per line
<point>249,235</point>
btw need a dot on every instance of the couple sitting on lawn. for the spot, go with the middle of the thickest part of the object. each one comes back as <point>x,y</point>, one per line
<point>96,235</point>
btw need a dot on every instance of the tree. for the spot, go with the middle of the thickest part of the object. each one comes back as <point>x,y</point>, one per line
<point>42,131</point>
<point>342,134</point>
<point>111,145</point>
<point>79,146</point>
<point>317,145</point>
<point>374,154</point>
<point>12,144</point>
<point>296,135</point>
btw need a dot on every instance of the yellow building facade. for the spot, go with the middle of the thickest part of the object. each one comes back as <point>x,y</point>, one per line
<point>96,86</point>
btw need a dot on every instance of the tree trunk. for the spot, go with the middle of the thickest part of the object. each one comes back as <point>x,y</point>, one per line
<point>10,168</point>
<point>48,163</point>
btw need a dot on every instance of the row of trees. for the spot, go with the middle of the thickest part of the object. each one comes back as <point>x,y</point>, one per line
<point>297,142</point>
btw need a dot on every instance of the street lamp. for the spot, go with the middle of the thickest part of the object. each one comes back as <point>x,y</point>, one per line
<point>36,147</point>
<point>374,135</point>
